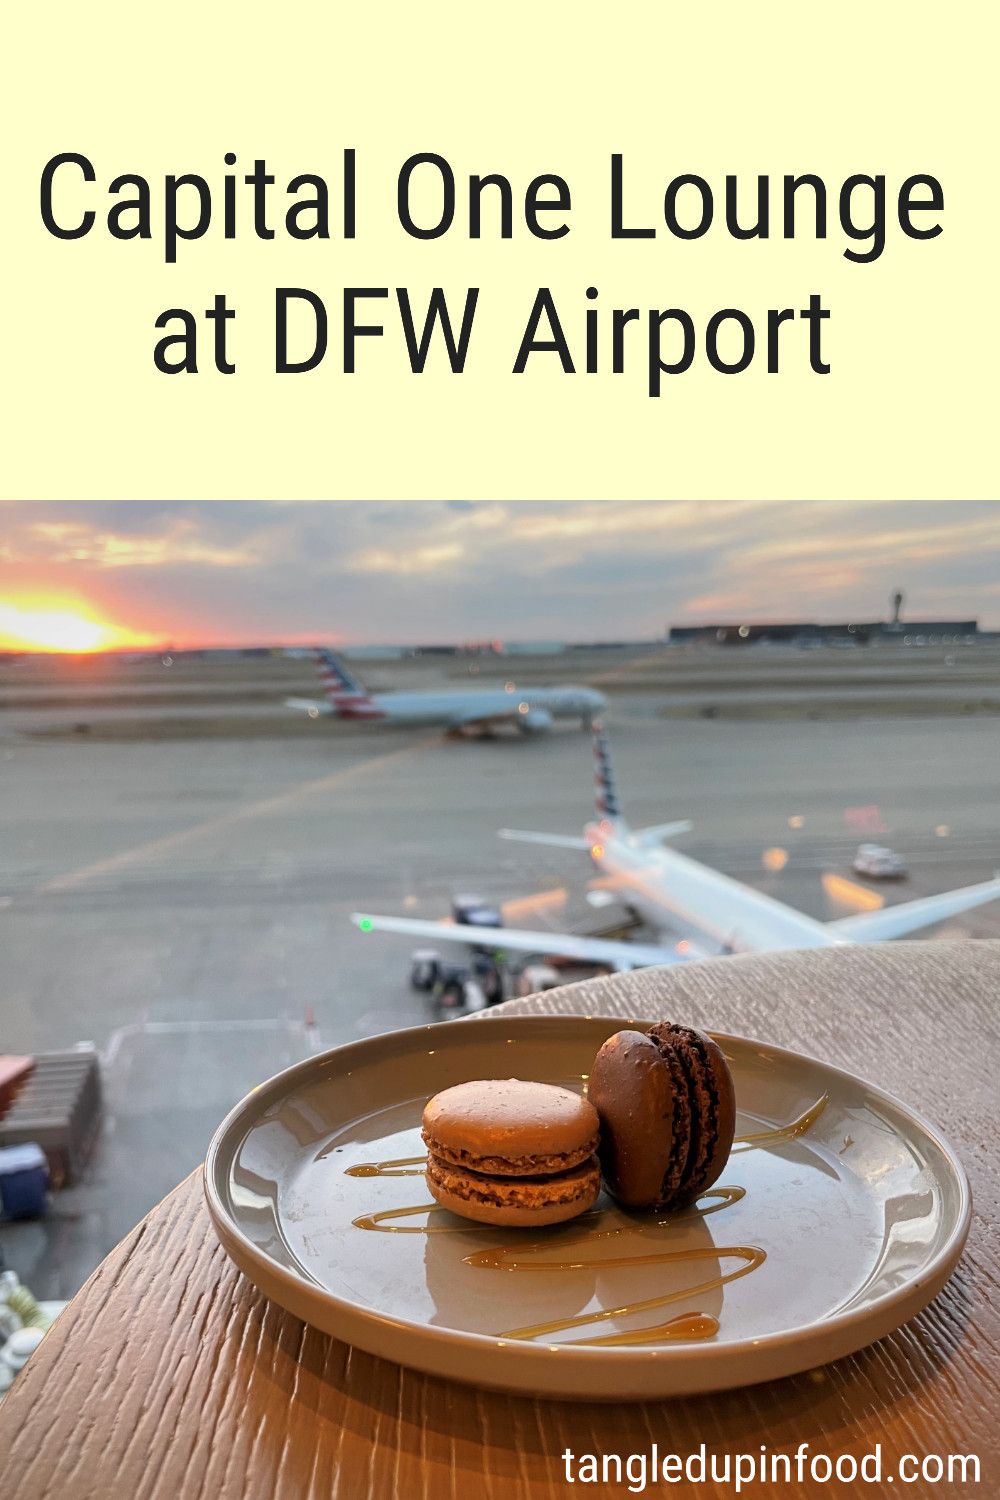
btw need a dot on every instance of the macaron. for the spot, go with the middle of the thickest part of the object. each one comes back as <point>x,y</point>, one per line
<point>507,1152</point>
<point>667,1111</point>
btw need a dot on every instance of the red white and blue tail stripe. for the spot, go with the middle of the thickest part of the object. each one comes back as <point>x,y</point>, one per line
<point>349,699</point>
<point>606,793</point>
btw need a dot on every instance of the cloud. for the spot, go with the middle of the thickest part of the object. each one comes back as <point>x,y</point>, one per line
<point>180,544</point>
<point>430,559</point>
<point>163,538</point>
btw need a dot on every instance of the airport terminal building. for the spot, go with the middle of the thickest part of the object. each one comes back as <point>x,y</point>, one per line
<point>855,632</point>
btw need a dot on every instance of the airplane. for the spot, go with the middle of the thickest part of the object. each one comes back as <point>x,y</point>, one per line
<point>669,890</point>
<point>529,710</point>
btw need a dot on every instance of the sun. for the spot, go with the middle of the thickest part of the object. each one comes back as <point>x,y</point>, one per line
<point>55,625</point>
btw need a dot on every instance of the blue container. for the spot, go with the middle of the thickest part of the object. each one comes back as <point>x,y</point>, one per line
<point>24,1181</point>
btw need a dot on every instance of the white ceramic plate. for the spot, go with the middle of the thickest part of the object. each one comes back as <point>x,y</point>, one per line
<point>815,1242</point>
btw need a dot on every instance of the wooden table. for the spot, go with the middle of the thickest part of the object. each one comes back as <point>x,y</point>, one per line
<point>170,1378</point>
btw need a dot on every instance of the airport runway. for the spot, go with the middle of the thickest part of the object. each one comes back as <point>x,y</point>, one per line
<point>183,901</point>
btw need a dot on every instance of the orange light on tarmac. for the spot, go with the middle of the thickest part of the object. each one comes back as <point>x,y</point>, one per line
<point>774,859</point>
<point>796,821</point>
<point>849,893</point>
<point>524,906</point>
<point>597,851</point>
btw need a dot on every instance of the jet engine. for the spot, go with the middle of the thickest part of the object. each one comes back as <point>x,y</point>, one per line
<point>534,721</point>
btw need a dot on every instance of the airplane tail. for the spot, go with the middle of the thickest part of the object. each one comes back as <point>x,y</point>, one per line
<point>348,697</point>
<point>606,792</point>
<point>609,808</point>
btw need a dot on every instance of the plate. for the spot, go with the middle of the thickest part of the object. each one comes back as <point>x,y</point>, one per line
<point>841,1213</point>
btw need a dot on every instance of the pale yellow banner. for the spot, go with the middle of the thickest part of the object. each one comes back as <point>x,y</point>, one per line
<point>907,407</point>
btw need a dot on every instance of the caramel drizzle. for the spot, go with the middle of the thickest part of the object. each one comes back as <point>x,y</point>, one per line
<point>401,1166</point>
<point>686,1326</point>
<point>505,1257</point>
<point>752,1256</point>
<point>691,1327</point>
<point>789,1132</point>
<point>379,1222</point>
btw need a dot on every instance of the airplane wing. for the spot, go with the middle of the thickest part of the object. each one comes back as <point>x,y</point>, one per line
<point>895,921</point>
<point>308,706</point>
<point>656,833</point>
<point>558,840</point>
<point>562,944</point>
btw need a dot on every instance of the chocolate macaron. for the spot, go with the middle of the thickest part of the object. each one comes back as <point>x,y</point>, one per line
<point>502,1151</point>
<point>667,1111</point>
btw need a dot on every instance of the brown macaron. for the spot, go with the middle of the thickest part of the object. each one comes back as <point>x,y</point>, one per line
<point>668,1114</point>
<point>503,1151</point>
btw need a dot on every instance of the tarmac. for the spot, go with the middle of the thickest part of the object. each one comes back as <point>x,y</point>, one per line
<point>176,880</point>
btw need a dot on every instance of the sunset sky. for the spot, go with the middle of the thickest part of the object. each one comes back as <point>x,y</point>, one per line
<point>84,576</point>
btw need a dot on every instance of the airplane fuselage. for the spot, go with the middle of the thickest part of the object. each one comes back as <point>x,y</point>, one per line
<point>667,888</point>
<point>458,707</point>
